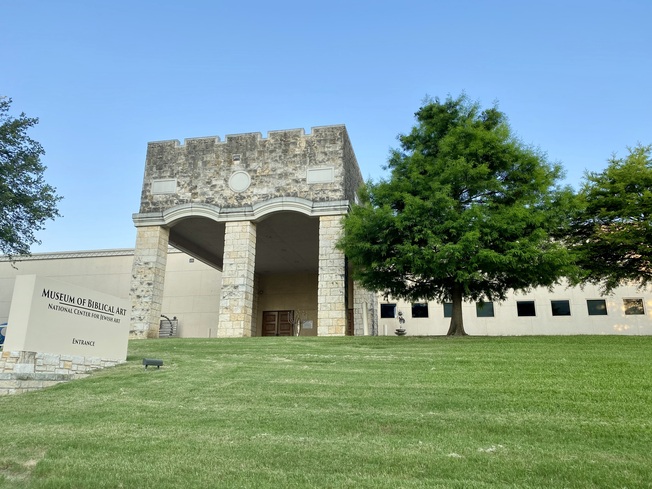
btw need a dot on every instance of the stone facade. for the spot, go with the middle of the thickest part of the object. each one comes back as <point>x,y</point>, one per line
<point>148,280</point>
<point>237,294</point>
<point>200,170</point>
<point>25,371</point>
<point>331,295</point>
<point>211,197</point>
<point>365,307</point>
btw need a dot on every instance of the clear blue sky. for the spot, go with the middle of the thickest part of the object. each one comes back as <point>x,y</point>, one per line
<point>106,77</point>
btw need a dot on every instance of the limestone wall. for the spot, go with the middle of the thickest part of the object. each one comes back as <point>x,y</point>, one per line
<point>236,301</point>
<point>353,178</point>
<point>148,280</point>
<point>319,167</point>
<point>331,293</point>
<point>365,305</point>
<point>24,371</point>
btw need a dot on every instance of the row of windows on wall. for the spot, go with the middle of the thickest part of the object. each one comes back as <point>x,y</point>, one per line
<point>595,307</point>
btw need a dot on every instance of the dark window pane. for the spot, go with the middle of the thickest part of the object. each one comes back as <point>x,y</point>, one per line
<point>633,306</point>
<point>525,308</point>
<point>485,310</point>
<point>420,310</point>
<point>388,310</point>
<point>597,307</point>
<point>448,309</point>
<point>560,308</point>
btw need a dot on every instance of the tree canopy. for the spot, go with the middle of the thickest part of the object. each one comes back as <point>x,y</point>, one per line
<point>612,234</point>
<point>26,201</point>
<point>467,213</point>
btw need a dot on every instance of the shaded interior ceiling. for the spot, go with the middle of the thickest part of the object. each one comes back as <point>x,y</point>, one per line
<point>286,242</point>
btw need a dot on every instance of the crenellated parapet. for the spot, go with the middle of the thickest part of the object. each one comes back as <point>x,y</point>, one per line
<point>246,170</point>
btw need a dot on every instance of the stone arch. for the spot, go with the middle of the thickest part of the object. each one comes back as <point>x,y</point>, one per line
<point>225,202</point>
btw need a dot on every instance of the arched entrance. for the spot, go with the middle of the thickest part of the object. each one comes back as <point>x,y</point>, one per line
<point>267,212</point>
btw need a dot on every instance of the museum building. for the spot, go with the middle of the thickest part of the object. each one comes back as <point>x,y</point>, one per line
<point>237,238</point>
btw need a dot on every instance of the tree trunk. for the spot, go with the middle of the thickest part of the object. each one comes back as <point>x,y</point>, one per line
<point>457,321</point>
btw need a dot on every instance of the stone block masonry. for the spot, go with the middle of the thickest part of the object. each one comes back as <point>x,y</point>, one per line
<point>212,196</point>
<point>148,280</point>
<point>201,169</point>
<point>365,305</point>
<point>25,371</point>
<point>331,290</point>
<point>237,294</point>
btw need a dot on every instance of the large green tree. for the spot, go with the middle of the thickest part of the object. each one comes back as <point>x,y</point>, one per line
<point>26,201</point>
<point>467,213</point>
<point>612,234</point>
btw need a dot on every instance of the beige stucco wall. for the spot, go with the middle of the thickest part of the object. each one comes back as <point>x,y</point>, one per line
<point>293,292</point>
<point>507,322</point>
<point>192,295</point>
<point>191,287</point>
<point>101,271</point>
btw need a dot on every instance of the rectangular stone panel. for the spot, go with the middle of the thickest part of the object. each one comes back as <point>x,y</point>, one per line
<point>164,186</point>
<point>320,175</point>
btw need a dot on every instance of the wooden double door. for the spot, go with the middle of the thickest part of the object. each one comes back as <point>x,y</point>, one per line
<point>278,323</point>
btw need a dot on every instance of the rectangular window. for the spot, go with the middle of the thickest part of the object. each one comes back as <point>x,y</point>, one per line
<point>560,308</point>
<point>484,310</point>
<point>596,307</point>
<point>388,310</point>
<point>633,306</point>
<point>525,308</point>
<point>420,310</point>
<point>448,309</point>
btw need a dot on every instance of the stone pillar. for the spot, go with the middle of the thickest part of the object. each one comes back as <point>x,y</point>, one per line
<point>147,280</point>
<point>365,307</point>
<point>331,290</point>
<point>254,306</point>
<point>237,294</point>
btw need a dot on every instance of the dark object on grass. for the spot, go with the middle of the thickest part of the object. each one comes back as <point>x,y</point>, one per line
<point>153,362</point>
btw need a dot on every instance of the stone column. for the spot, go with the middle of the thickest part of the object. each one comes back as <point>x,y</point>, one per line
<point>254,306</point>
<point>147,280</point>
<point>237,294</point>
<point>331,290</point>
<point>364,310</point>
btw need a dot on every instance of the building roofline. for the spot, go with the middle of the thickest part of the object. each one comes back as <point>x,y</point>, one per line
<point>62,255</point>
<point>67,254</point>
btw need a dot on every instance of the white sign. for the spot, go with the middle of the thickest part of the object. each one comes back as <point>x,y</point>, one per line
<point>49,316</point>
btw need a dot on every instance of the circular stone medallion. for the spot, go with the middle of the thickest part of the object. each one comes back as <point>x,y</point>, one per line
<point>239,181</point>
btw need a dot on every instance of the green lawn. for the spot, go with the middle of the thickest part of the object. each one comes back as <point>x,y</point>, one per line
<point>544,412</point>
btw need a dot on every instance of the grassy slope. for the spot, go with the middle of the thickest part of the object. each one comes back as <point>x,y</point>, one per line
<point>344,412</point>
